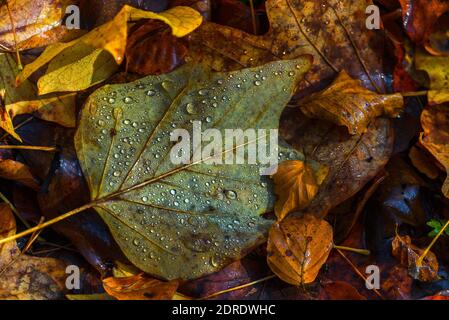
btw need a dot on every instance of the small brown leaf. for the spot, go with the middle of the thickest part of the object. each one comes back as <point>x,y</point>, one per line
<point>13,170</point>
<point>298,247</point>
<point>139,287</point>
<point>408,254</point>
<point>345,102</point>
<point>296,184</point>
<point>423,162</point>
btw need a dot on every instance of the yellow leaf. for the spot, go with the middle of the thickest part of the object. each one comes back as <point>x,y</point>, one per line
<point>345,102</point>
<point>54,108</point>
<point>296,184</point>
<point>84,62</point>
<point>16,171</point>
<point>298,247</point>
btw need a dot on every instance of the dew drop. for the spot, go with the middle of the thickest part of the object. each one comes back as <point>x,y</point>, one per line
<point>144,199</point>
<point>257,83</point>
<point>151,93</point>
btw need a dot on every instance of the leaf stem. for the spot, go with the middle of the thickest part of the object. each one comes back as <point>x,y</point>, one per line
<point>414,93</point>
<point>365,252</point>
<point>38,148</point>
<point>423,255</point>
<point>48,223</point>
<point>238,287</point>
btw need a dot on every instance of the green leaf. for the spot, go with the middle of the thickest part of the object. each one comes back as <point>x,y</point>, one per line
<point>436,225</point>
<point>182,221</point>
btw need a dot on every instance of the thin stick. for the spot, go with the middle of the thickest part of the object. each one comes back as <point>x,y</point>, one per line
<point>16,127</point>
<point>48,223</point>
<point>423,255</point>
<point>365,252</point>
<point>38,148</point>
<point>238,287</point>
<point>358,272</point>
<point>253,16</point>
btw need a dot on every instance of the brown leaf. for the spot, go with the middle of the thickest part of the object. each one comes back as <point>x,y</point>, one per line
<point>435,136</point>
<point>408,254</point>
<point>340,290</point>
<point>423,162</point>
<point>333,31</point>
<point>152,49</point>
<point>298,247</point>
<point>419,16</point>
<point>139,287</point>
<point>353,160</point>
<point>36,23</point>
<point>345,102</point>
<point>296,184</point>
<point>25,277</point>
<point>16,171</point>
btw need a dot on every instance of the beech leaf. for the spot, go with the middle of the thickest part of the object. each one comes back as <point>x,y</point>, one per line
<point>298,247</point>
<point>178,221</point>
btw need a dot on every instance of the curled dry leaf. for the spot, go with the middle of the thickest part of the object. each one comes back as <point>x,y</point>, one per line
<point>296,183</point>
<point>334,32</point>
<point>435,136</point>
<point>345,102</point>
<point>408,254</point>
<point>170,217</point>
<point>16,171</point>
<point>92,58</point>
<point>139,287</point>
<point>54,108</point>
<point>25,277</point>
<point>298,247</point>
<point>36,23</point>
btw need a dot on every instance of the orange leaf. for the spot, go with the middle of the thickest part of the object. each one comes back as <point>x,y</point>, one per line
<point>298,247</point>
<point>296,184</point>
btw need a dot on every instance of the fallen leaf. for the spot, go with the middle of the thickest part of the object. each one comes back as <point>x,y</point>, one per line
<point>345,102</point>
<point>340,290</point>
<point>124,149</point>
<point>353,160</point>
<point>92,58</point>
<point>17,101</point>
<point>419,16</point>
<point>408,254</point>
<point>298,247</point>
<point>334,32</point>
<point>25,277</point>
<point>437,69</point>
<point>35,23</point>
<point>422,161</point>
<point>296,184</point>
<point>16,171</point>
<point>139,287</point>
<point>152,49</point>
<point>435,136</point>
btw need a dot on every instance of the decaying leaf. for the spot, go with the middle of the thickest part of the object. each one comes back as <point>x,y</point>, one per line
<point>333,31</point>
<point>345,102</point>
<point>92,58</point>
<point>296,184</point>
<point>54,108</point>
<point>437,67</point>
<point>353,160</point>
<point>435,136</point>
<point>16,171</point>
<point>298,247</point>
<point>175,220</point>
<point>35,23</point>
<point>408,254</point>
<point>139,287</point>
<point>422,161</point>
<point>25,277</point>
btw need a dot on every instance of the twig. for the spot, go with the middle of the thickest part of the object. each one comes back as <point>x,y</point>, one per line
<point>19,61</point>
<point>38,148</point>
<point>253,17</point>
<point>359,251</point>
<point>423,255</point>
